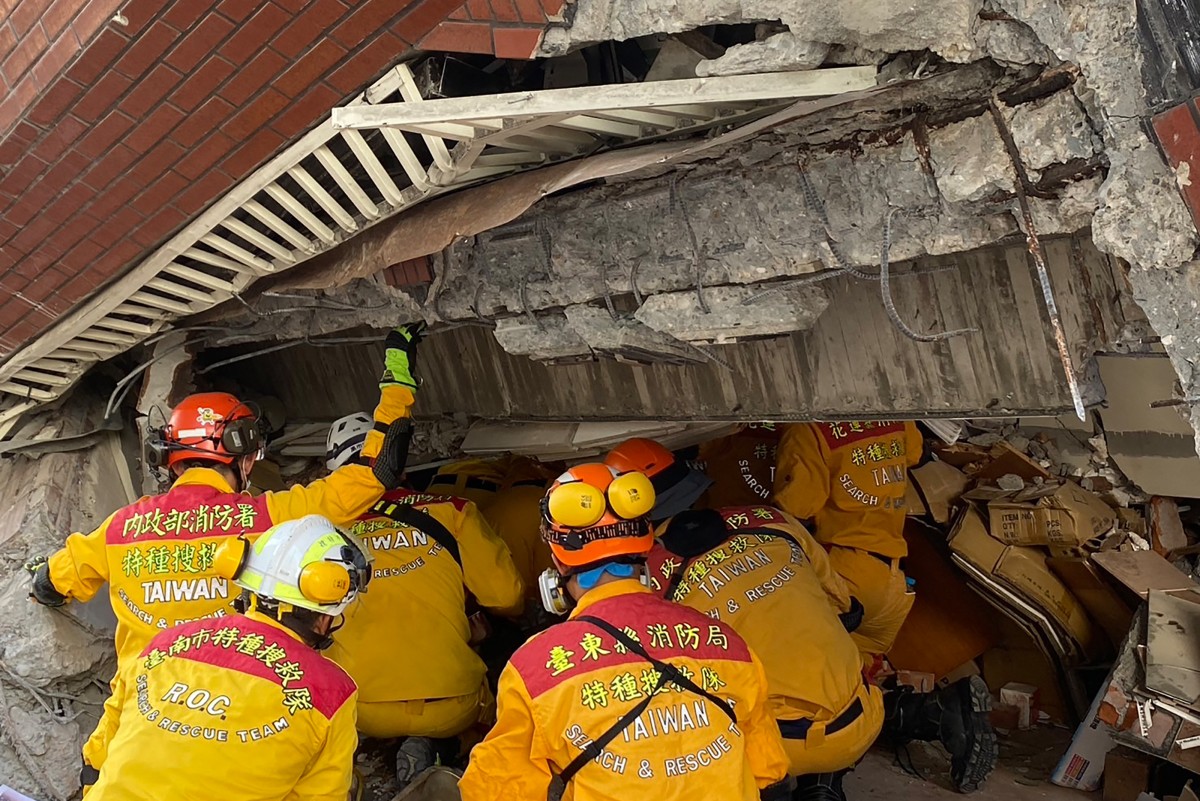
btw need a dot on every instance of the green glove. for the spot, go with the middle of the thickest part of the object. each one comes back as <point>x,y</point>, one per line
<point>400,356</point>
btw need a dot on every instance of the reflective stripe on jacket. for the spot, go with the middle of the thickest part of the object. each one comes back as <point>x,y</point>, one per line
<point>406,637</point>
<point>850,479</point>
<point>569,684</point>
<point>237,708</point>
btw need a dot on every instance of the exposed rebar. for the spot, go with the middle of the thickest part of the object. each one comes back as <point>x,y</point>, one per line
<point>677,203</point>
<point>1039,259</point>
<point>814,202</point>
<point>885,290</point>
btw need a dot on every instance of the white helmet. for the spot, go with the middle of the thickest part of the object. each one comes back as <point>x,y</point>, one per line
<point>346,439</point>
<point>308,563</point>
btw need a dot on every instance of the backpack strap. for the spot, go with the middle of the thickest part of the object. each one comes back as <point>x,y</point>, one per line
<point>407,515</point>
<point>667,674</point>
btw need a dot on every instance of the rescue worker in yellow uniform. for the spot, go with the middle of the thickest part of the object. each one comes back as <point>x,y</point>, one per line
<point>760,571</point>
<point>508,491</point>
<point>632,697</point>
<point>157,554</point>
<point>740,465</point>
<point>850,479</point>
<point>244,707</point>
<point>406,643</point>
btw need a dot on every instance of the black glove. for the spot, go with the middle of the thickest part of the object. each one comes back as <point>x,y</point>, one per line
<point>400,356</point>
<point>779,791</point>
<point>43,590</point>
<point>389,464</point>
<point>853,618</point>
<point>88,775</point>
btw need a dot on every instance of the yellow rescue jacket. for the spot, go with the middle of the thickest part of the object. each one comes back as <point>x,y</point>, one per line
<point>508,491</point>
<point>236,708</point>
<point>156,555</point>
<point>850,478</point>
<point>406,638</point>
<point>741,466</point>
<point>781,595</point>
<point>569,684</point>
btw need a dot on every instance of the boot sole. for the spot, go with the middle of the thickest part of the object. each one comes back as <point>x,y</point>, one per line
<point>984,748</point>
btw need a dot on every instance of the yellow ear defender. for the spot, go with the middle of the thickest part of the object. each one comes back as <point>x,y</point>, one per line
<point>230,558</point>
<point>577,504</point>
<point>631,495</point>
<point>324,582</point>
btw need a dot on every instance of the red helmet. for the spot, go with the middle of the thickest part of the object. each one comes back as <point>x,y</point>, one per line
<point>592,513</point>
<point>213,427</point>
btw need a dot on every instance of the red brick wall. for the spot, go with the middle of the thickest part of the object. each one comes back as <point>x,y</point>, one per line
<point>38,38</point>
<point>141,126</point>
<point>507,28</point>
<point>1178,132</point>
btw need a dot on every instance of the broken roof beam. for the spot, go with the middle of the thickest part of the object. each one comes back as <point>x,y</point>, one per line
<point>729,89</point>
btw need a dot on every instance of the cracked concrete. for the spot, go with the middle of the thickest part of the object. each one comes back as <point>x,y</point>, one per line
<point>945,27</point>
<point>752,219</point>
<point>1136,214</point>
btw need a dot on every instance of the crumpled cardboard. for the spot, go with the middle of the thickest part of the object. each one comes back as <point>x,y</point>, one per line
<point>1060,515</point>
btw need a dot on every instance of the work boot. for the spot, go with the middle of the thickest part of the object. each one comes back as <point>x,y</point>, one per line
<point>416,755</point>
<point>820,787</point>
<point>957,717</point>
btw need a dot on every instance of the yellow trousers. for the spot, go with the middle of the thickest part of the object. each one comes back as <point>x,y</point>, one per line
<point>438,718</point>
<point>828,753</point>
<point>881,588</point>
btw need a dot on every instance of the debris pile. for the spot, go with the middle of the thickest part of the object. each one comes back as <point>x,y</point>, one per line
<point>1088,568</point>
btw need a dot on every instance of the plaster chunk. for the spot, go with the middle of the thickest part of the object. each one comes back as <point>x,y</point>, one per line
<point>783,52</point>
<point>969,161</point>
<point>1141,217</point>
<point>41,645</point>
<point>944,26</point>
<point>625,337</point>
<point>549,337</point>
<point>1011,43</point>
<point>1053,130</point>
<point>727,319</point>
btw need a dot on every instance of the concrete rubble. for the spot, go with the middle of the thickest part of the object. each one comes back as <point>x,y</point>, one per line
<point>778,53</point>
<point>1098,39</point>
<point>719,315</point>
<point>54,664</point>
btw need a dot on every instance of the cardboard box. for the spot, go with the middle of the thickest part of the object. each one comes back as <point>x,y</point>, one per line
<point>1083,763</point>
<point>1126,774</point>
<point>914,504</point>
<point>1023,569</point>
<point>1024,697</point>
<point>1102,602</point>
<point>940,486</point>
<point>1062,515</point>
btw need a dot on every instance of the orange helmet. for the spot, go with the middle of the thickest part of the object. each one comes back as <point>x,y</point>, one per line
<point>210,426</point>
<point>676,485</point>
<point>593,513</point>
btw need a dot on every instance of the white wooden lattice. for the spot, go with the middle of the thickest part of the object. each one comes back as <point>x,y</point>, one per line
<point>387,150</point>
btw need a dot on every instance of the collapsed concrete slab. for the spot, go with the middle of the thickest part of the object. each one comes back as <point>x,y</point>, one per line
<point>776,209</point>
<point>627,339</point>
<point>722,314</point>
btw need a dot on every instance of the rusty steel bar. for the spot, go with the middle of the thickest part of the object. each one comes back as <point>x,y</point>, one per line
<point>1039,258</point>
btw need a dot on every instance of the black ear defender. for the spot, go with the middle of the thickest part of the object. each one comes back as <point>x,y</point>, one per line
<point>157,449</point>
<point>241,437</point>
